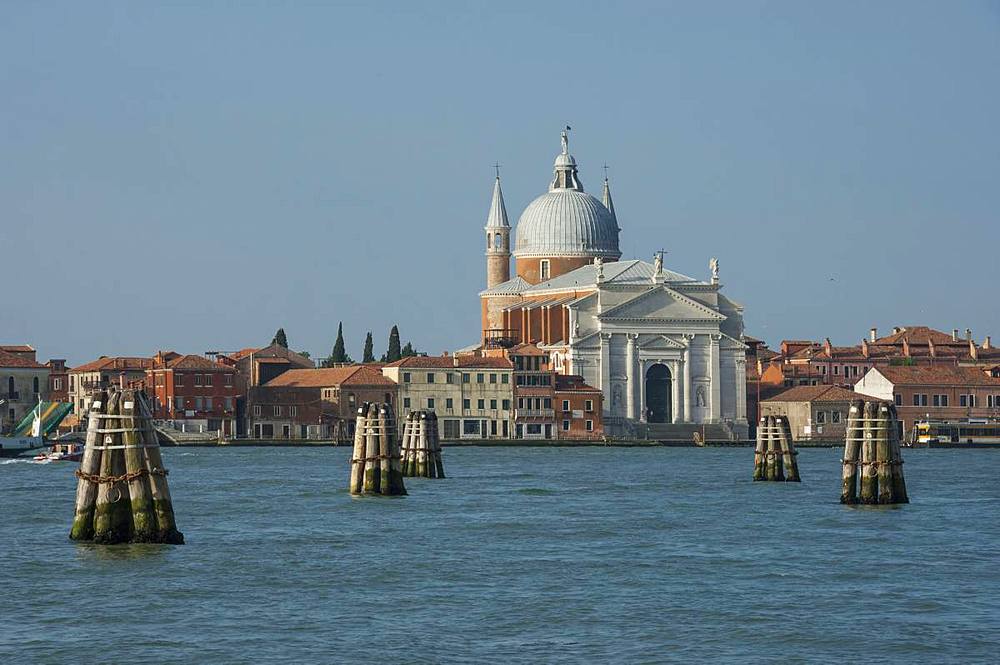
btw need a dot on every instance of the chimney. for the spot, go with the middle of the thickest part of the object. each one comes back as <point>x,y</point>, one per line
<point>973,351</point>
<point>873,335</point>
<point>828,347</point>
<point>906,347</point>
<point>954,334</point>
<point>930,348</point>
<point>987,343</point>
<point>896,330</point>
<point>968,334</point>
<point>864,347</point>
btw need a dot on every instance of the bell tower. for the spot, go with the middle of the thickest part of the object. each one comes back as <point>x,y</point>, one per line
<point>497,239</point>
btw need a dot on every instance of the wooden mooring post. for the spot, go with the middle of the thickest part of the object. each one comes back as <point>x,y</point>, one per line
<point>122,494</point>
<point>422,446</point>
<point>376,466</point>
<point>873,462</point>
<point>775,454</point>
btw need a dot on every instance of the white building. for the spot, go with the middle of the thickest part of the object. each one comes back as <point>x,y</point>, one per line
<point>665,349</point>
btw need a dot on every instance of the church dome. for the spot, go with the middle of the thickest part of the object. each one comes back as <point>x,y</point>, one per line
<point>566,221</point>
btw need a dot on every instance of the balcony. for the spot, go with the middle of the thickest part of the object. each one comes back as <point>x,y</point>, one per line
<point>500,338</point>
<point>534,413</point>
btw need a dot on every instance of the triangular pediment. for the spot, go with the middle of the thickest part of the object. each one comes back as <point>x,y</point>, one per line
<point>591,341</point>
<point>660,343</point>
<point>660,303</point>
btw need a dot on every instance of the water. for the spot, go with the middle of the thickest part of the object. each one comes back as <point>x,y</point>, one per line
<point>521,555</point>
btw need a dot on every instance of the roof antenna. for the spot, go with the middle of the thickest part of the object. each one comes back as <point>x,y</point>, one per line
<point>497,167</point>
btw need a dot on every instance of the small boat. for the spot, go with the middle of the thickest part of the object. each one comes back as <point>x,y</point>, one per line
<point>20,442</point>
<point>68,451</point>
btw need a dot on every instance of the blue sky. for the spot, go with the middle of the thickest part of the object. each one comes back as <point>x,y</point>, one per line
<point>194,177</point>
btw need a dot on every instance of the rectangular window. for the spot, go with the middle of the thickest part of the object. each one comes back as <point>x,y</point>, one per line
<point>208,403</point>
<point>505,405</point>
<point>972,401</point>
<point>899,399</point>
<point>923,400</point>
<point>565,405</point>
<point>493,404</point>
<point>466,404</point>
<point>547,403</point>
<point>470,427</point>
<point>208,380</point>
<point>406,377</point>
<point>588,406</point>
<point>590,425</point>
<point>465,378</point>
<point>229,380</point>
<point>229,403</point>
<point>533,429</point>
<point>822,369</point>
<point>197,379</point>
<point>504,378</point>
<point>430,402</point>
<point>449,403</point>
<point>256,409</point>
<point>178,379</point>
<point>480,378</point>
<point>57,384</point>
<point>197,404</point>
<point>449,378</point>
<point>543,270</point>
<point>406,402</point>
<point>916,400</point>
<point>277,410</point>
<point>836,369</point>
<point>179,403</point>
<point>493,378</point>
<point>936,400</point>
<point>820,417</point>
<point>292,410</point>
<point>963,400</point>
<point>451,430</point>
<point>835,417</point>
<point>481,404</point>
<point>565,425</point>
<point>430,377</point>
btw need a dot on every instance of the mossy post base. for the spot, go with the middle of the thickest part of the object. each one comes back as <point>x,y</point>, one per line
<point>774,456</point>
<point>422,446</point>
<point>122,494</point>
<point>873,463</point>
<point>376,466</point>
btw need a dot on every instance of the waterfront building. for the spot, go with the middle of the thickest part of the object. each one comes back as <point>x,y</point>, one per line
<point>935,392</point>
<point>815,413</point>
<point>255,367</point>
<point>578,407</point>
<point>471,395</point>
<point>58,380</point>
<point>664,349</point>
<point>316,403</point>
<point>193,394</point>
<point>86,379</point>
<point>23,380</point>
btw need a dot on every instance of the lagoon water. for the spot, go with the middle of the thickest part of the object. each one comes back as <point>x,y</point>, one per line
<point>520,555</point>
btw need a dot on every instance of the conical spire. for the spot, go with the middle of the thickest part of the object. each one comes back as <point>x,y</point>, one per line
<point>606,197</point>
<point>498,211</point>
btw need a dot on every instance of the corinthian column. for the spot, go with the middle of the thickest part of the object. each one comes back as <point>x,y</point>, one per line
<point>675,398</point>
<point>715,412</point>
<point>687,381</point>
<point>630,376</point>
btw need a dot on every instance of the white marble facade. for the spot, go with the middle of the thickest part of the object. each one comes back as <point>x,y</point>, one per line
<point>643,329</point>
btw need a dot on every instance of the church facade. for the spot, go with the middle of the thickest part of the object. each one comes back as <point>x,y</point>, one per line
<point>665,349</point>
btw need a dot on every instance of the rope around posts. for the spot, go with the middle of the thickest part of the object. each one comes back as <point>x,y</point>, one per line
<point>376,458</point>
<point>125,477</point>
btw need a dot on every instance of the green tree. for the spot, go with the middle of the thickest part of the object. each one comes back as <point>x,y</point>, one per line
<point>369,356</point>
<point>393,353</point>
<point>304,354</point>
<point>280,339</point>
<point>408,351</point>
<point>339,354</point>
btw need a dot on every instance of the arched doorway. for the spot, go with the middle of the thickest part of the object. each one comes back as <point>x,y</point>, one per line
<point>658,397</point>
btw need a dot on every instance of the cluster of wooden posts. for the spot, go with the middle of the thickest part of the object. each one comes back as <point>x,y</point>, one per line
<point>775,455</point>
<point>376,463</point>
<point>122,494</point>
<point>873,463</point>
<point>422,446</point>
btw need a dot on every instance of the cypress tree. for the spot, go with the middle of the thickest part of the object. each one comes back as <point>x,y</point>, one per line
<point>408,351</point>
<point>280,339</point>
<point>339,354</point>
<point>393,354</point>
<point>369,349</point>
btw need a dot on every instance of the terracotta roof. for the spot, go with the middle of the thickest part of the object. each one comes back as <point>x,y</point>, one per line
<point>815,394</point>
<point>191,361</point>
<point>574,382</point>
<point>242,353</point>
<point>361,375</point>
<point>442,362</point>
<point>12,360</point>
<point>115,363</point>
<point>16,348</point>
<point>928,375</point>
<point>526,349</point>
<point>918,335</point>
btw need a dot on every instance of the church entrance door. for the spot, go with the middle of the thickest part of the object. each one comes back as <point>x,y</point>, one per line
<point>658,394</point>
